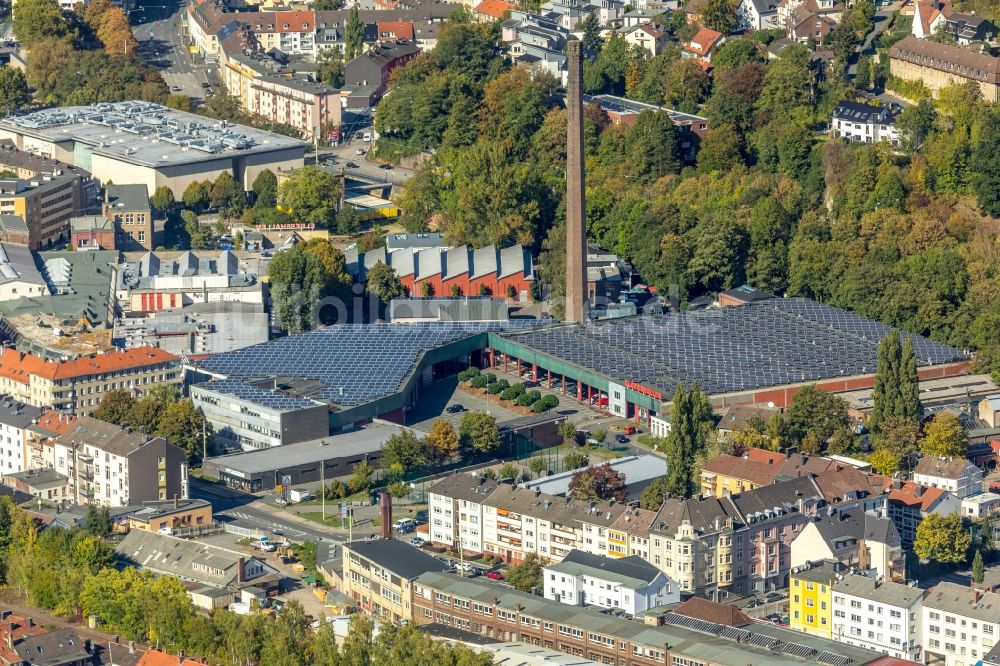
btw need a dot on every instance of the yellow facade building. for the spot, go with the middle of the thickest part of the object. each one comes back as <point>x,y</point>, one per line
<point>809,597</point>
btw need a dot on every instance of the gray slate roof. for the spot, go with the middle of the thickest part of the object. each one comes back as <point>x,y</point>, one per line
<point>397,556</point>
<point>177,557</point>
<point>957,599</point>
<point>895,594</point>
<point>632,571</point>
<point>17,264</point>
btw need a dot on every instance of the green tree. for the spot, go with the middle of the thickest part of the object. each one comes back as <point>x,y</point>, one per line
<point>591,39</point>
<point>330,66</point>
<point>720,15</point>
<point>115,407</point>
<point>652,145</point>
<point>184,425</point>
<point>945,437</point>
<point>361,477</point>
<point>197,196</point>
<point>983,164</point>
<point>915,123</point>
<point>310,195</point>
<point>479,432</point>
<point>97,522</point>
<point>655,494</point>
<point>720,150</point>
<point>227,195</point>
<point>734,53</point>
<point>354,34</point>
<point>162,200</point>
<point>405,451</point>
<point>303,279</point>
<point>383,282</point>
<point>14,92</point>
<point>978,570</point>
<point>115,33</point>
<point>567,430</point>
<point>884,461</point>
<point>574,460</point>
<point>942,539</point>
<point>527,575</point>
<point>691,424</point>
<point>538,466</point>
<point>816,412</point>
<point>35,20</point>
<point>265,185</point>
<point>896,393</point>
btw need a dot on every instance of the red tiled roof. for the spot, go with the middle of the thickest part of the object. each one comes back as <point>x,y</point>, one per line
<point>760,473</point>
<point>494,8</point>
<point>396,29</point>
<point>14,629</point>
<point>711,611</point>
<point>55,422</point>
<point>703,41</point>
<point>297,21</point>
<point>837,483</point>
<point>907,495</point>
<point>157,658</point>
<point>19,367</point>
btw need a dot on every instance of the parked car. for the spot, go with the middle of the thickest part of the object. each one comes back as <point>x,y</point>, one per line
<point>351,165</point>
<point>417,541</point>
<point>455,408</point>
<point>281,501</point>
<point>166,531</point>
<point>753,603</point>
<point>774,617</point>
<point>175,88</point>
<point>359,151</point>
<point>621,439</point>
<point>387,167</point>
<point>771,597</point>
<point>421,516</point>
<point>495,575</point>
<point>404,525</point>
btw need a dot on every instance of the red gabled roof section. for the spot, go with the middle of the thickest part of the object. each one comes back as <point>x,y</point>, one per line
<point>19,367</point>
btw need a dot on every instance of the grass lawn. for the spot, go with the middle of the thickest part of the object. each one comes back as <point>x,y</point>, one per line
<point>333,519</point>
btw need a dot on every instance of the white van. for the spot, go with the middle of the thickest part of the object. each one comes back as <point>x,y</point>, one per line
<point>368,137</point>
<point>404,525</point>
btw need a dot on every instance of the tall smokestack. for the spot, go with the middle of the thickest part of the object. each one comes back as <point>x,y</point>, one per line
<point>576,226</point>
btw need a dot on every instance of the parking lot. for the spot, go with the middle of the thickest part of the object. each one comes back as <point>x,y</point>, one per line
<point>435,399</point>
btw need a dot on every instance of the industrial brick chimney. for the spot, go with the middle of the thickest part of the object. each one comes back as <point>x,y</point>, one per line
<point>576,225</point>
<point>385,514</point>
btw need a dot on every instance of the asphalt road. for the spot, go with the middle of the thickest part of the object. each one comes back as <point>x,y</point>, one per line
<point>158,26</point>
<point>347,152</point>
<point>250,511</point>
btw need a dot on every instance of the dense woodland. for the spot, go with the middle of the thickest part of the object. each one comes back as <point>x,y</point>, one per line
<point>906,236</point>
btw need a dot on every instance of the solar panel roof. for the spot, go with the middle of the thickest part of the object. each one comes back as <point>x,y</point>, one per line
<point>272,399</point>
<point>727,350</point>
<point>351,363</point>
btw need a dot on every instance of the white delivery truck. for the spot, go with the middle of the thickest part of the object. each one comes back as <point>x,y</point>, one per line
<point>300,495</point>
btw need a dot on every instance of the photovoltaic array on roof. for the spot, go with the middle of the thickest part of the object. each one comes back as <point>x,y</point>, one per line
<point>764,641</point>
<point>693,623</point>
<point>272,399</point>
<point>798,650</point>
<point>352,363</point>
<point>769,343</point>
<point>734,633</point>
<point>834,659</point>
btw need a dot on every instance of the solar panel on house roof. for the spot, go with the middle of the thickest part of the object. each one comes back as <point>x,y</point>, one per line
<point>768,343</point>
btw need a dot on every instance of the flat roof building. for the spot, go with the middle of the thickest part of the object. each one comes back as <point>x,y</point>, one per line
<point>256,471</point>
<point>142,142</point>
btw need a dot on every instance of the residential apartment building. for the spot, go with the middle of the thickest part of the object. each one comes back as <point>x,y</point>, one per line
<point>78,385</point>
<point>45,203</point>
<point>25,642</point>
<point>15,420</point>
<point>127,206</point>
<point>701,544</point>
<point>877,615</point>
<point>519,521</point>
<point>108,465</point>
<point>941,65</point>
<point>652,38</point>
<point>455,511</point>
<point>908,504</point>
<point>379,576</point>
<point>863,123</point>
<point>956,475</point>
<point>92,232</point>
<point>980,505</point>
<point>809,590</point>
<point>758,467</point>
<point>629,535</point>
<point>774,515</point>
<point>758,15</point>
<point>853,538</point>
<point>171,515</point>
<point>372,69</point>
<point>40,445</point>
<point>267,87</point>
<point>45,485</point>
<point>631,583</point>
<point>959,625</point>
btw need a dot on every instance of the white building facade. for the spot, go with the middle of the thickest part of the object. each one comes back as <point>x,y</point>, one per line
<point>879,616</point>
<point>959,625</point>
<point>959,477</point>
<point>863,123</point>
<point>630,583</point>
